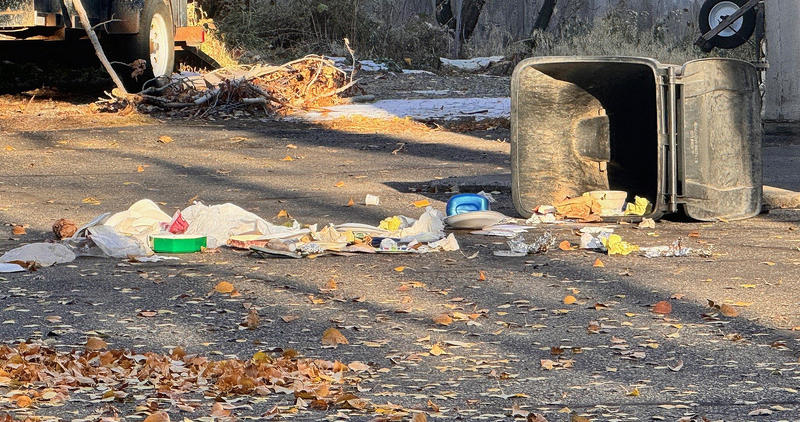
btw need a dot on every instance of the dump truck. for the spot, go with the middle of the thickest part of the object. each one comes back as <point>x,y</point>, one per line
<point>150,30</point>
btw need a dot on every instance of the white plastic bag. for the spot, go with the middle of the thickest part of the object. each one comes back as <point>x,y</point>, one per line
<point>140,220</point>
<point>116,245</point>
<point>219,222</point>
<point>43,254</point>
<point>428,228</point>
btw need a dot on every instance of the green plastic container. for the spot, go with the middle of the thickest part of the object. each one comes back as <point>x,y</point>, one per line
<point>177,243</point>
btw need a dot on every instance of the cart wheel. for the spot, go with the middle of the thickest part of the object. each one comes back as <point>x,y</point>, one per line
<point>154,44</point>
<point>714,12</point>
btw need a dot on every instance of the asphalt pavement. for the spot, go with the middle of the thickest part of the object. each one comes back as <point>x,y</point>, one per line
<point>523,346</point>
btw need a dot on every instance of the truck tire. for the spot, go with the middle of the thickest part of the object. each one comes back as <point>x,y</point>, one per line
<point>714,12</point>
<point>155,44</point>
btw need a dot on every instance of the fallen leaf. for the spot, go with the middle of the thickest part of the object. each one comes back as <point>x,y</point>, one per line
<point>422,203</point>
<point>283,214</point>
<point>598,263</point>
<point>332,337</point>
<point>164,139</point>
<point>287,158</point>
<point>148,314</point>
<point>694,234</point>
<point>224,287</point>
<point>339,184</point>
<point>218,411</point>
<point>565,246</point>
<point>576,418</point>
<point>358,366</point>
<point>678,366</point>
<point>443,319</point>
<point>419,417</point>
<point>728,311</point>
<point>400,269</point>
<point>331,285</point>
<point>760,412</point>
<point>289,318</point>
<point>633,393</point>
<point>91,200</point>
<point>350,203</point>
<point>160,416</point>
<point>140,169</point>
<point>95,343</point>
<point>436,350</point>
<point>663,308</point>
<point>23,401</point>
<point>569,300</point>
<point>481,276</point>
<point>10,148</point>
<point>18,230</point>
<point>536,417</point>
<point>291,146</point>
<point>252,320</point>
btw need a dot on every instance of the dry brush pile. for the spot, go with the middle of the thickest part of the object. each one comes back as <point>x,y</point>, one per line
<point>304,84</point>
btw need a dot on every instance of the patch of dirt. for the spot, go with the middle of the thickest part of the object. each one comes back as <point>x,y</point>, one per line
<point>52,110</point>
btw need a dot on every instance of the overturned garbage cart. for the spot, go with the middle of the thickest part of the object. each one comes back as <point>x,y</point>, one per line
<point>684,137</point>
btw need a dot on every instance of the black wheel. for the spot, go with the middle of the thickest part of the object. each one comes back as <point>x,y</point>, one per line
<point>714,12</point>
<point>155,44</point>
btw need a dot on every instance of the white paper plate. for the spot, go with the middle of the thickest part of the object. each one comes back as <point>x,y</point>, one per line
<point>474,220</point>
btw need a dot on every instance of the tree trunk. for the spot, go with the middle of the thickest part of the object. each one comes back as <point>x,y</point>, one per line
<point>542,21</point>
<point>96,44</point>
<point>458,6</point>
<point>544,16</point>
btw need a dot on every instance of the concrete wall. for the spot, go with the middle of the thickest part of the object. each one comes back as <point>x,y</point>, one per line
<point>782,100</point>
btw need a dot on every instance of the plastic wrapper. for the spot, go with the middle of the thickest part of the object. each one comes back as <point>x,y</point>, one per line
<point>519,247</point>
<point>673,251</point>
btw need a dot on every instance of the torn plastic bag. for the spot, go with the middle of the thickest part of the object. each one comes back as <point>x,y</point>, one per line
<point>142,219</point>
<point>11,268</point>
<point>219,222</point>
<point>43,254</point>
<point>428,228</point>
<point>448,244</point>
<point>116,245</point>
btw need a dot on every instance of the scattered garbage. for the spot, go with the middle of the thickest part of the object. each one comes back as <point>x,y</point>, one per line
<point>176,243</point>
<point>616,246</point>
<point>467,202</point>
<point>647,223</point>
<point>476,220</point>
<point>502,230</point>
<point>611,201</point>
<point>640,206</point>
<point>42,254</point>
<point>11,268</point>
<point>675,250</point>
<point>595,237</point>
<point>583,208</point>
<point>518,247</point>
<point>372,200</point>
